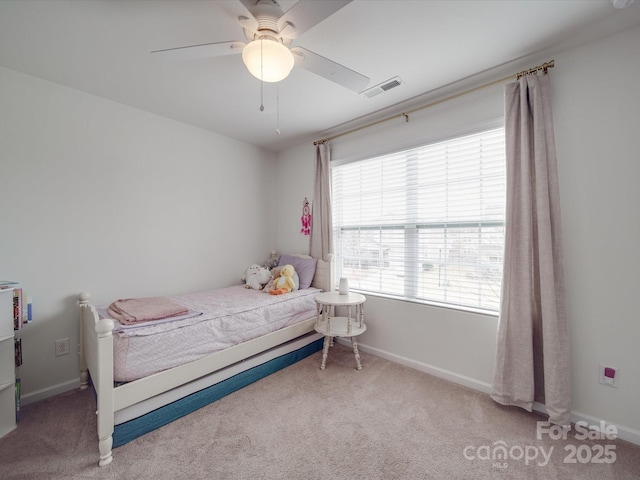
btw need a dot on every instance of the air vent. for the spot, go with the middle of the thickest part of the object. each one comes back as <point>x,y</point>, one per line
<point>383,87</point>
<point>392,84</point>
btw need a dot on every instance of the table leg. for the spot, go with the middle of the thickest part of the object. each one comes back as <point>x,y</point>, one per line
<point>356,353</point>
<point>319,312</point>
<point>325,351</point>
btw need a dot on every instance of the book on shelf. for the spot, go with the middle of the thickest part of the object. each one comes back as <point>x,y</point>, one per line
<point>22,308</point>
<point>28,314</point>
<point>18,351</point>
<point>22,304</point>
<point>18,314</point>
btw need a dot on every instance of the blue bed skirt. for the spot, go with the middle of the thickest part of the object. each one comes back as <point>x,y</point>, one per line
<point>127,431</point>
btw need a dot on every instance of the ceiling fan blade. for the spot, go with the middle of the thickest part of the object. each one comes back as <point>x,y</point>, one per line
<point>205,50</point>
<point>330,70</point>
<point>306,14</point>
<point>239,10</point>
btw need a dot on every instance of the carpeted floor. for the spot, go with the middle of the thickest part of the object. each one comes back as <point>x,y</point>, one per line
<point>384,422</point>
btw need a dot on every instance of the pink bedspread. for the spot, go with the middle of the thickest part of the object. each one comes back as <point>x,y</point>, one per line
<point>131,311</point>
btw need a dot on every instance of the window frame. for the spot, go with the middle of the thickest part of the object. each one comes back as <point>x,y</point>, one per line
<point>412,267</point>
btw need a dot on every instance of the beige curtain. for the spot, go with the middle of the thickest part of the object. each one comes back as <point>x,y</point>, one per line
<point>532,360</point>
<point>321,239</point>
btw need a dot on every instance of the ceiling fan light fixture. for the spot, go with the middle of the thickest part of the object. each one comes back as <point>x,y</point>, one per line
<point>268,60</point>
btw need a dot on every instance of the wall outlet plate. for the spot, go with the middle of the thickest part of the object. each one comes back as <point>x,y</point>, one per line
<point>608,375</point>
<point>62,347</point>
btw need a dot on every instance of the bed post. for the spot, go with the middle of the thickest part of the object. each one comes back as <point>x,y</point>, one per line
<point>104,384</point>
<point>96,359</point>
<point>84,373</point>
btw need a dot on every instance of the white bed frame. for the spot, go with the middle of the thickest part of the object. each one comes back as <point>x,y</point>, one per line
<point>136,398</point>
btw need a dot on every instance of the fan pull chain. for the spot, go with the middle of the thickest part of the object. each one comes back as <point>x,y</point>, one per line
<point>261,96</point>
<point>278,110</point>
<point>261,79</point>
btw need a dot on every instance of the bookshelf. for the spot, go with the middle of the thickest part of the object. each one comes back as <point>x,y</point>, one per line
<point>7,362</point>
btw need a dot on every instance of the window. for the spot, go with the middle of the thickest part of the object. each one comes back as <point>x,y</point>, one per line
<point>425,224</point>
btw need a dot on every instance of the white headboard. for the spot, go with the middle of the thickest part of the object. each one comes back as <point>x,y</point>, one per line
<point>324,272</point>
<point>323,277</point>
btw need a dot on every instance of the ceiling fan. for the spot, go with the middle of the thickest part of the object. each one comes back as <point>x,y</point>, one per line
<point>269,33</point>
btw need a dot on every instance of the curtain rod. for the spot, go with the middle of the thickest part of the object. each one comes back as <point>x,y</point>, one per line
<point>544,67</point>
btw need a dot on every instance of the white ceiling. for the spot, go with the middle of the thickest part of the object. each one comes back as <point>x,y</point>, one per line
<point>103,47</point>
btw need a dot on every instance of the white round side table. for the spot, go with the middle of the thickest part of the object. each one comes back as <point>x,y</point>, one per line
<point>331,326</point>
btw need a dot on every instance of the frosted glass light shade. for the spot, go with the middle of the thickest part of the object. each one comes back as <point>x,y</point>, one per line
<point>267,60</point>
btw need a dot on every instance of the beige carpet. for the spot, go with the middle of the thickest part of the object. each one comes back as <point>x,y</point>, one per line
<point>384,422</point>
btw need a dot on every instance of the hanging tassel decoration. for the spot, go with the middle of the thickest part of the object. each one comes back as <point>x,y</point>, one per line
<point>306,218</point>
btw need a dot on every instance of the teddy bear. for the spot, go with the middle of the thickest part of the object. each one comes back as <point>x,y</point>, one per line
<point>256,277</point>
<point>284,282</point>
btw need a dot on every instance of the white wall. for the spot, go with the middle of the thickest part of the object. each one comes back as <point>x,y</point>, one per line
<point>596,103</point>
<point>102,197</point>
<point>295,170</point>
<point>597,120</point>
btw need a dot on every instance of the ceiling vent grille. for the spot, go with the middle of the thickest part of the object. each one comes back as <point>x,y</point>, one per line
<point>383,87</point>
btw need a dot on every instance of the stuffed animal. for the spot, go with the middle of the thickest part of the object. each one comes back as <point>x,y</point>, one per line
<point>284,283</point>
<point>256,277</point>
<point>272,261</point>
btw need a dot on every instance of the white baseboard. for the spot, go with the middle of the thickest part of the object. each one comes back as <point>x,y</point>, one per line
<point>624,433</point>
<point>38,395</point>
<point>423,367</point>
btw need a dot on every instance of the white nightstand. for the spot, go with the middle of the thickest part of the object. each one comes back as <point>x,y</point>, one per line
<point>331,326</point>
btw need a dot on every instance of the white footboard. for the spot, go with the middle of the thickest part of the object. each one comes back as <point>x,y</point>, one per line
<point>96,359</point>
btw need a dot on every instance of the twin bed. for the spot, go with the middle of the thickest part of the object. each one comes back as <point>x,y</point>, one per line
<point>147,375</point>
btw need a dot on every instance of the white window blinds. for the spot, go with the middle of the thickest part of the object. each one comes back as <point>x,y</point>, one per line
<point>425,224</point>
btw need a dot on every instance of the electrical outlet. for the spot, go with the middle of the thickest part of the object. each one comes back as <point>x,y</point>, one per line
<point>62,347</point>
<point>609,376</point>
